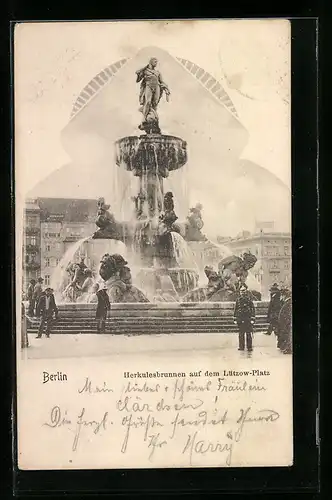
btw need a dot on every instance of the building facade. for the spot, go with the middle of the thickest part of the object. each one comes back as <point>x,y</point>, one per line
<point>52,226</point>
<point>64,221</point>
<point>31,242</point>
<point>274,253</point>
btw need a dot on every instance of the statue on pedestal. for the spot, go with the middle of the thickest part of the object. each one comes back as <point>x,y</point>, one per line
<point>152,88</point>
<point>105,221</point>
<point>195,224</point>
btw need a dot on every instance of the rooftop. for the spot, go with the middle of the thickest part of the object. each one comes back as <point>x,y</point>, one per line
<point>31,205</point>
<point>68,209</point>
<point>259,235</point>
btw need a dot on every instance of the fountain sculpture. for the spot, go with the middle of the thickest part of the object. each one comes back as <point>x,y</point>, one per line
<point>154,239</point>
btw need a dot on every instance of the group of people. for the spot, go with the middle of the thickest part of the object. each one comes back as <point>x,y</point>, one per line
<point>279,318</point>
<point>41,305</point>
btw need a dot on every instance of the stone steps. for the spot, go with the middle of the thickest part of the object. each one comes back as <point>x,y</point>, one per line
<point>149,328</point>
<point>169,321</point>
<point>140,319</point>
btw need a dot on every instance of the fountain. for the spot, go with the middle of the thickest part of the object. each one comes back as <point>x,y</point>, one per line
<point>163,267</point>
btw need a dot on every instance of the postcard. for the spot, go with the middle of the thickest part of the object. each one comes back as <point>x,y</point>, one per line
<point>153,244</point>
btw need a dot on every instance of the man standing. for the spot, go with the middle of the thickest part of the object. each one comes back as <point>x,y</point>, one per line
<point>37,292</point>
<point>30,298</point>
<point>47,310</point>
<point>24,335</point>
<point>244,317</point>
<point>274,309</point>
<point>285,323</point>
<point>103,307</point>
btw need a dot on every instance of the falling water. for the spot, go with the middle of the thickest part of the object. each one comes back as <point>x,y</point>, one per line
<point>183,254</point>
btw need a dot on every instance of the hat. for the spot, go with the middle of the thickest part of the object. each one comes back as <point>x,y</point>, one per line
<point>274,288</point>
<point>40,279</point>
<point>49,289</point>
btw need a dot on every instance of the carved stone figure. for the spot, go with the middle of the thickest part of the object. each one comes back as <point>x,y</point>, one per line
<point>234,270</point>
<point>151,90</point>
<point>106,222</point>
<point>139,204</point>
<point>168,217</point>
<point>77,276</point>
<point>215,282</point>
<point>117,276</point>
<point>195,224</point>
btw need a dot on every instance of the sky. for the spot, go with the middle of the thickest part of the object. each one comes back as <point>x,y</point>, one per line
<point>54,61</point>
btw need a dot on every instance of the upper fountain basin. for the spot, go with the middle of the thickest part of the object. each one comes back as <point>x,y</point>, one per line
<point>155,153</point>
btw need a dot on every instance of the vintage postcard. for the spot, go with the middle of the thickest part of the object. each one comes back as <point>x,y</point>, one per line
<point>153,244</point>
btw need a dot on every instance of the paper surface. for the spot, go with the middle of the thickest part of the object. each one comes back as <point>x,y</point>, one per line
<point>167,396</point>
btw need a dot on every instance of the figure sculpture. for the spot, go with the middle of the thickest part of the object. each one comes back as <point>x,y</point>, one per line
<point>195,224</point>
<point>105,221</point>
<point>117,276</point>
<point>224,285</point>
<point>168,217</point>
<point>77,276</point>
<point>234,270</point>
<point>151,91</point>
<point>139,204</point>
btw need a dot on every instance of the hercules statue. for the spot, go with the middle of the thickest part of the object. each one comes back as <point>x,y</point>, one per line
<point>152,88</point>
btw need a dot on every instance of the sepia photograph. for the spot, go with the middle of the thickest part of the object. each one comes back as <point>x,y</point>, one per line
<point>154,244</point>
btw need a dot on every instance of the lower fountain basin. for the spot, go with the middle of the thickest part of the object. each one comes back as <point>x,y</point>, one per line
<point>166,285</point>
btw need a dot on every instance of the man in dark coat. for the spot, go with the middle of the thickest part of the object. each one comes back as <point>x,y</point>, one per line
<point>24,334</point>
<point>244,317</point>
<point>285,324</point>
<point>30,298</point>
<point>103,307</point>
<point>274,309</point>
<point>37,292</point>
<point>47,310</point>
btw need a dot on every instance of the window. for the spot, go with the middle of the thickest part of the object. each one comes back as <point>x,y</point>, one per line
<point>47,279</point>
<point>47,262</point>
<point>48,248</point>
<point>57,262</point>
<point>286,266</point>
<point>32,221</point>
<point>32,240</point>
<point>286,250</point>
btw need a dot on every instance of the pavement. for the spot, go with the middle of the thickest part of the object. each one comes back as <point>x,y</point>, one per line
<point>107,345</point>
